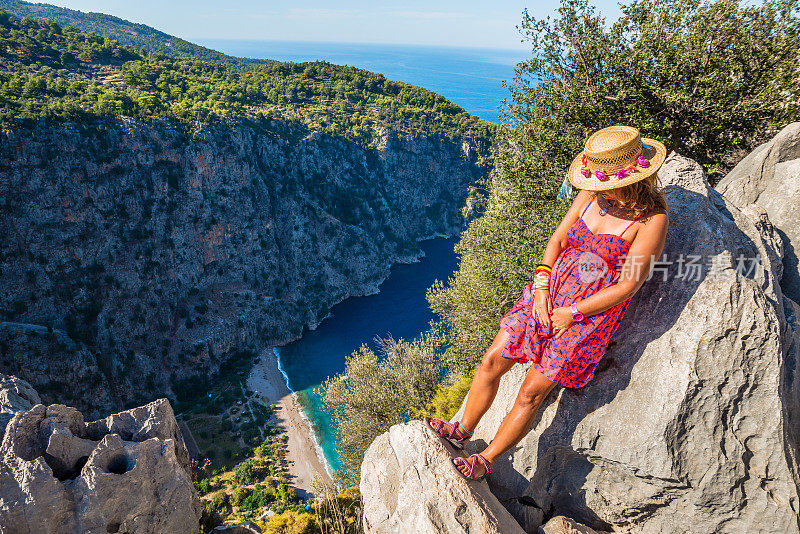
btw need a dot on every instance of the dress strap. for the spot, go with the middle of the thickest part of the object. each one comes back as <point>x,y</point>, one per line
<point>587,205</point>
<point>631,224</point>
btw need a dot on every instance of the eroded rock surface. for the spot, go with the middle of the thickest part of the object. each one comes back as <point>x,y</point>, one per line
<point>408,485</point>
<point>15,396</point>
<point>127,473</point>
<point>768,177</point>
<point>566,525</point>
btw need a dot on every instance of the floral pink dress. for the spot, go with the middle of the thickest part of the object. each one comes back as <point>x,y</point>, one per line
<point>589,263</point>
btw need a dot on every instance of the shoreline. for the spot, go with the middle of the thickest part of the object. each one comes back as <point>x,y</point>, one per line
<point>318,447</point>
<point>305,466</point>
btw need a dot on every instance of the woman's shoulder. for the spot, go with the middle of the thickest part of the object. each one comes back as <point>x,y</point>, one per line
<point>655,220</point>
<point>657,213</point>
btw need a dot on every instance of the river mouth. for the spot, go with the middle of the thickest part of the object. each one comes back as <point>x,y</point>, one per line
<point>399,310</point>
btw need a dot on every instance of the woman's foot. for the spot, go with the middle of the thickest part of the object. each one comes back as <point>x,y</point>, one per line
<point>475,467</point>
<point>454,433</point>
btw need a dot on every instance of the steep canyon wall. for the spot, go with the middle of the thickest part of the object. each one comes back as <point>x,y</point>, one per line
<point>138,258</point>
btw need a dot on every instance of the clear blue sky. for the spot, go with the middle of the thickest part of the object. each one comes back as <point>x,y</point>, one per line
<point>489,23</point>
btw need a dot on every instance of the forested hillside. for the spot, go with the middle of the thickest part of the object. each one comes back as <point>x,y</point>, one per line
<point>126,32</point>
<point>65,73</point>
<point>164,216</point>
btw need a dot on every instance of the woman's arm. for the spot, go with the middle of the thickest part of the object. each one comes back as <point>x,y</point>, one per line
<point>543,304</point>
<point>646,247</point>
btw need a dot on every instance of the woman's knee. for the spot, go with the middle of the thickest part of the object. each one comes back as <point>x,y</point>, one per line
<point>494,365</point>
<point>532,395</point>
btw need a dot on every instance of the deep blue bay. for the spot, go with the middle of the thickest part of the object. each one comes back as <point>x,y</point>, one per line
<point>472,78</point>
<point>399,310</point>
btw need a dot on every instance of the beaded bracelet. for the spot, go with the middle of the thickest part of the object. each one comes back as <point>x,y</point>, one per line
<point>541,280</point>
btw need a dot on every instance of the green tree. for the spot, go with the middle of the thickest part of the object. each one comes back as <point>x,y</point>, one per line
<point>219,499</point>
<point>375,393</point>
<point>238,495</point>
<point>243,472</point>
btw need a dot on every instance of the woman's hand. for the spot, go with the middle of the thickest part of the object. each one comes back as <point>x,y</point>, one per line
<point>542,305</point>
<point>562,320</point>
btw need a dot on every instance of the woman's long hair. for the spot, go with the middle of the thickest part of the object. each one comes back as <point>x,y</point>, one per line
<point>643,197</point>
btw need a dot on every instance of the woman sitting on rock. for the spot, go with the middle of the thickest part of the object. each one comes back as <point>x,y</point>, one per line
<point>596,260</point>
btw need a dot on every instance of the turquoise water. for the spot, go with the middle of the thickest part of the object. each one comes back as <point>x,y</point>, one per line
<point>470,77</point>
<point>399,310</point>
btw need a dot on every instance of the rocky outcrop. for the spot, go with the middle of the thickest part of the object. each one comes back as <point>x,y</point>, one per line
<point>408,485</point>
<point>690,423</point>
<point>768,177</point>
<point>248,527</point>
<point>127,473</point>
<point>148,256</point>
<point>15,396</point>
<point>565,525</point>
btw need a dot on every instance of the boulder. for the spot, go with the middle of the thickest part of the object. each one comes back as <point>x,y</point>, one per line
<point>127,473</point>
<point>408,485</point>
<point>248,527</point>
<point>565,525</point>
<point>768,177</point>
<point>15,396</point>
<point>691,421</point>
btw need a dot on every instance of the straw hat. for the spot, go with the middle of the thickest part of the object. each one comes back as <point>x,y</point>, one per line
<point>620,155</point>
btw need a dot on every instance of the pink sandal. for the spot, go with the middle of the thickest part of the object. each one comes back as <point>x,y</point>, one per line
<point>459,461</point>
<point>457,436</point>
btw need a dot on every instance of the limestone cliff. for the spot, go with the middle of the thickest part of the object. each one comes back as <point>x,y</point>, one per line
<point>691,421</point>
<point>136,257</point>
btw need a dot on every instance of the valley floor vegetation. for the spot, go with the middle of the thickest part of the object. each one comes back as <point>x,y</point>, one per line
<point>241,472</point>
<point>710,79</point>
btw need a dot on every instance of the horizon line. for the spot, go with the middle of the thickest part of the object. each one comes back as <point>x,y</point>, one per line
<point>371,43</point>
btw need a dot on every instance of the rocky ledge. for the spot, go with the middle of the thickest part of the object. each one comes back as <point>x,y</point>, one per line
<point>126,473</point>
<point>690,424</point>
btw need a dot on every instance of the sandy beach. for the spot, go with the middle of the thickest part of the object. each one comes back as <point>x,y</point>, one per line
<point>305,466</point>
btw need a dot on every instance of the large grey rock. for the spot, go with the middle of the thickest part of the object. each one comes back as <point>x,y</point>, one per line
<point>768,177</point>
<point>126,473</point>
<point>565,525</point>
<point>15,396</point>
<point>248,527</point>
<point>408,485</point>
<point>154,420</point>
<point>690,423</point>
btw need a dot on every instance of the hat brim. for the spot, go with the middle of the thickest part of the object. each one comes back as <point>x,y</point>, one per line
<point>654,151</point>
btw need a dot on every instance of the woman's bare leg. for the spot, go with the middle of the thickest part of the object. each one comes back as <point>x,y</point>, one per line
<point>485,383</point>
<point>518,422</point>
<point>484,386</point>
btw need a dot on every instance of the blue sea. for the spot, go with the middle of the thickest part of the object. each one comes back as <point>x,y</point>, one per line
<point>473,79</point>
<point>399,310</point>
<point>470,77</point>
